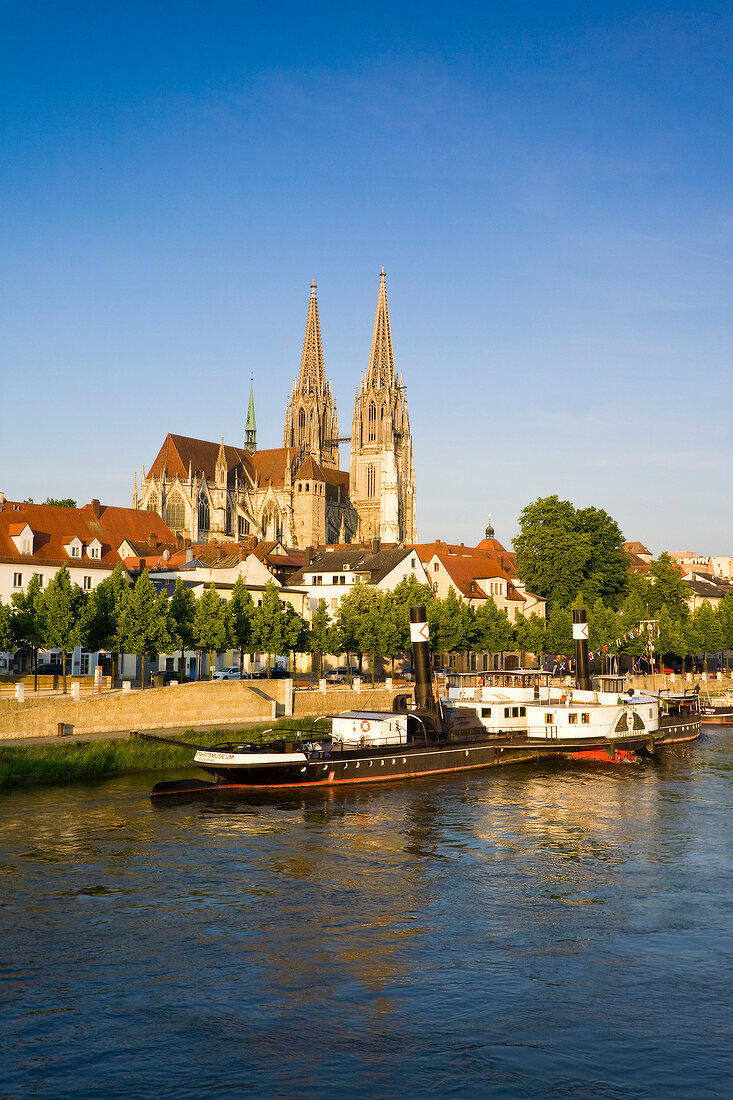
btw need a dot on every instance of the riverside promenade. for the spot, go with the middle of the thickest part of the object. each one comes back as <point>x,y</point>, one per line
<point>221,704</point>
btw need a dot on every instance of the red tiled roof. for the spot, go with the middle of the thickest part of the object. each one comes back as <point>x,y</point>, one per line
<point>505,558</point>
<point>462,570</point>
<point>180,451</point>
<point>54,527</point>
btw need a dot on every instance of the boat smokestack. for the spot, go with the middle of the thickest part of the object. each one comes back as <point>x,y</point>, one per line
<point>419,635</point>
<point>580,639</point>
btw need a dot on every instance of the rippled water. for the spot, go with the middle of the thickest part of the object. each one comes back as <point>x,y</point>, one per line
<point>559,932</point>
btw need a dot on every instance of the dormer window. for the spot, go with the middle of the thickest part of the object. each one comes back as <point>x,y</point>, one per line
<point>22,537</point>
<point>94,550</point>
<point>73,547</point>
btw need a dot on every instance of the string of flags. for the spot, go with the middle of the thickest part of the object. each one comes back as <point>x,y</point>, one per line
<point>637,632</point>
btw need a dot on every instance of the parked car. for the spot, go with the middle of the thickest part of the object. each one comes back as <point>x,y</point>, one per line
<point>231,673</point>
<point>341,675</point>
<point>49,670</point>
<point>277,672</point>
<point>407,674</point>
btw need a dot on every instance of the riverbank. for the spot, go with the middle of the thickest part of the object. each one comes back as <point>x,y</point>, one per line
<point>97,757</point>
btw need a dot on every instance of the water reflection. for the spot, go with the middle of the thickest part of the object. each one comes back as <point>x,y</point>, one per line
<point>484,934</point>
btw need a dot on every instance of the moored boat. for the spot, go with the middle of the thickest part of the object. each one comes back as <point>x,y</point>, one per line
<point>513,718</point>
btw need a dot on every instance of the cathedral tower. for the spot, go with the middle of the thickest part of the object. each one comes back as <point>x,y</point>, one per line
<point>311,425</point>
<point>382,473</point>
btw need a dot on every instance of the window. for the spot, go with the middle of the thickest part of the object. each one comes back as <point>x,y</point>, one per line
<point>87,584</point>
<point>229,519</point>
<point>175,512</point>
<point>507,712</point>
<point>243,527</point>
<point>371,483</point>
<point>39,578</point>
<point>342,579</point>
<point>153,502</point>
<point>94,551</point>
<point>17,580</point>
<point>412,563</point>
<point>307,487</point>
<point>572,719</point>
<point>486,712</point>
<point>436,567</point>
<point>84,663</point>
<point>515,712</point>
<point>76,551</point>
<point>204,514</point>
<point>318,579</point>
<point>372,429</point>
<point>585,718</point>
<point>550,719</point>
<point>26,547</point>
<point>334,580</point>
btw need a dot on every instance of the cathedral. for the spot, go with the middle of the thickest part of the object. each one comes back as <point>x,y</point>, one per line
<point>297,493</point>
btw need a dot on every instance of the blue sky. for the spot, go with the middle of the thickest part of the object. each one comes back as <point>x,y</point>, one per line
<point>548,187</point>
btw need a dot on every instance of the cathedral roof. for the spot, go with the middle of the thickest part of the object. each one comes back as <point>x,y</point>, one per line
<point>271,466</point>
<point>310,469</point>
<point>180,453</point>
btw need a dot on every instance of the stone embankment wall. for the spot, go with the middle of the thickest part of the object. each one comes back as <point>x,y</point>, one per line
<point>199,704</point>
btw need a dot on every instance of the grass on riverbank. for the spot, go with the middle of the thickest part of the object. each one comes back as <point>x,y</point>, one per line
<point>92,759</point>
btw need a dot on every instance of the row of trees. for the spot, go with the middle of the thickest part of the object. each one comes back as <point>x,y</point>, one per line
<point>123,618</point>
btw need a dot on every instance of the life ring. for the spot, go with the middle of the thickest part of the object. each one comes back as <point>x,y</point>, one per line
<point>365,727</point>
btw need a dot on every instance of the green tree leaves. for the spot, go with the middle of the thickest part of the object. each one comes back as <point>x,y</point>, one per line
<point>561,552</point>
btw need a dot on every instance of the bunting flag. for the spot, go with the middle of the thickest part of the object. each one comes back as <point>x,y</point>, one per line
<point>635,632</point>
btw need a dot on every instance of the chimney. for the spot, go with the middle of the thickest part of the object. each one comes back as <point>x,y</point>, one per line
<point>308,555</point>
<point>96,508</point>
<point>419,635</point>
<point>375,546</point>
<point>580,639</point>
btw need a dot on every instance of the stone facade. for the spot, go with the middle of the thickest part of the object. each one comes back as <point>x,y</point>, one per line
<point>296,493</point>
<point>382,472</point>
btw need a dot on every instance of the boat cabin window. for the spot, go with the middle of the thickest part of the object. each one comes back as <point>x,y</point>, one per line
<point>507,712</point>
<point>585,718</point>
<point>572,719</point>
<point>486,712</point>
<point>549,719</point>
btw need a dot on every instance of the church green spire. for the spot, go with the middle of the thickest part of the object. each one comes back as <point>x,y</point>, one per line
<point>250,431</point>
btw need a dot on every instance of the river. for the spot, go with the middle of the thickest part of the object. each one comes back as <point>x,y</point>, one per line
<point>559,931</point>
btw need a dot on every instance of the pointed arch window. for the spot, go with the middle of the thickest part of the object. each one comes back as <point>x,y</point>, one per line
<point>175,512</point>
<point>152,505</point>
<point>301,427</point>
<point>204,515</point>
<point>229,520</point>
<point>372,428</point>
<point>371,481</point>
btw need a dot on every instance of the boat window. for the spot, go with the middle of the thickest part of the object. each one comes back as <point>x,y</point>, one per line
<point>506,712</point>
<point>572,719</point>
<point>549,719</point>
<point>585,718</point>
<point>515,712</point>
<point>522,712</point>
<point>486,712</point>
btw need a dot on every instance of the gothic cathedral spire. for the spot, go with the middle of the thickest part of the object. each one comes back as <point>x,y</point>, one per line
<point>310,420</point>
<point>250,430</point>
<point>382,473</point>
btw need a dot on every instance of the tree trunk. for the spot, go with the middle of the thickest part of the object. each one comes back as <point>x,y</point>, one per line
<point>142,671</point>
<point>63,668</point>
